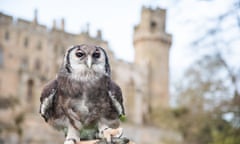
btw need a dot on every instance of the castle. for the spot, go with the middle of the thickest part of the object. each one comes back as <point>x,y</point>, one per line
<point>31,53</point>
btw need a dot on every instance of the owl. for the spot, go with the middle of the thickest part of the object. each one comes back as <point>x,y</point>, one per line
<point>83,95</point>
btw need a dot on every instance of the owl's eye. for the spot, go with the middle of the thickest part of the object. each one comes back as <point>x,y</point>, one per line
<point>79,54</point>
<point>96,55</point>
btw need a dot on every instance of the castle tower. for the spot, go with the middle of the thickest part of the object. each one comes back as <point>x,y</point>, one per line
<point>152,44</point>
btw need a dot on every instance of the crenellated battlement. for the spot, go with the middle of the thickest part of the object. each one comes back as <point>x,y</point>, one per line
<point>152,26</point>
<point>24,23</point>
<point>5,19</point>
<point>152,20</point>
<point>28,25</point>
<point>36,27</point>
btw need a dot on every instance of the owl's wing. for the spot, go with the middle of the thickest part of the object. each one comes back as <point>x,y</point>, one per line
<point>47,98</point>
<point>115,94</point>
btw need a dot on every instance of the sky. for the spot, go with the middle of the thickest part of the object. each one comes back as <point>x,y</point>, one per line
<point>117,19</point>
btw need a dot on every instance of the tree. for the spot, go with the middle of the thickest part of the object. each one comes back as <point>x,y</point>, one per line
<point>202,86</point>
<point>206,96</point>
<point>222,37</point>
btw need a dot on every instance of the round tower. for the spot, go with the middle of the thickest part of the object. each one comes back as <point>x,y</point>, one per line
<point>152,44</point>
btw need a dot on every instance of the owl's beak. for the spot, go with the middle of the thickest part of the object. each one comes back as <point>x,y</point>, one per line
<point>89,62</point>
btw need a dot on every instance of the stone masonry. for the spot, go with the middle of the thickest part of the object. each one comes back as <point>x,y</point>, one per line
<point>31,53</point>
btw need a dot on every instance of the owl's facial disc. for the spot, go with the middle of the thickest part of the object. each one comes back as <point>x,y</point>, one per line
<point>89,58</point>
<point>85,61</point>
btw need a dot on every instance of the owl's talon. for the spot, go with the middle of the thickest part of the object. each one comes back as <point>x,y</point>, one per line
<point>106,134</point>
<point>118,133</point>
<point>109,133</point>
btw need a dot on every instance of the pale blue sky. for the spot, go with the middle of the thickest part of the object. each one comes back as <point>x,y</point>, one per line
<point>116,19</point>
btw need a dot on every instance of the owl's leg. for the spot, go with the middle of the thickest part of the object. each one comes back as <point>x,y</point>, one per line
<point>108,129</point>
<point>73,135</point>
<point>109,133</point>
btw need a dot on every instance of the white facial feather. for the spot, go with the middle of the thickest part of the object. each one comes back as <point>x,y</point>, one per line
<point>86,70</point>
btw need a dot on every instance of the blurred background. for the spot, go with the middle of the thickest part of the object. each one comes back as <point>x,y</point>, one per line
<point>177,62</point>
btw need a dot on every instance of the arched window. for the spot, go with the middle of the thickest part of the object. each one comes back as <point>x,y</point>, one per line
<point>6,35</point>
<point>37,65</point>
<point>55,49</point>
<point>24,63</point>
<point>39,45</point>
<point>1,57</point>
<point>153,25</point>
<point>26,42</point>
<point>30,84</point>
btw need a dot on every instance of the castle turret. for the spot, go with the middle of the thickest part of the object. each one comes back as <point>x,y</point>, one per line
<point>152,45</point>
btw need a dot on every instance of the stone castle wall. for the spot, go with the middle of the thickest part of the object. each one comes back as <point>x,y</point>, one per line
<point>31,54</point>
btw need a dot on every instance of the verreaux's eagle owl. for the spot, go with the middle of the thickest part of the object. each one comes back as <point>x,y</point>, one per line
<point>82,94</point>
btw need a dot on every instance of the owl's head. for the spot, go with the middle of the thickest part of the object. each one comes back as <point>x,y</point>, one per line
<point>81,60</point>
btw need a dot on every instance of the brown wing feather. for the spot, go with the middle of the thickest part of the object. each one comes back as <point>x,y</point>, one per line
<point>117,94</point>
<point>47,99</point>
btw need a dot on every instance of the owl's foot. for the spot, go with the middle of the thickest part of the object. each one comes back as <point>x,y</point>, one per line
<point>118,132</point>
<point>72,135</point>
<point>70,141</point>
<point>109,133</point>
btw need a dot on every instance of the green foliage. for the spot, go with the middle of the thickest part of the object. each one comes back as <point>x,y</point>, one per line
<point>194,127</point>
<point>203,100</point>
<point>224,133</point>
<point>179,112</point>
<point>163,118</point>
<point>123,118</point>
